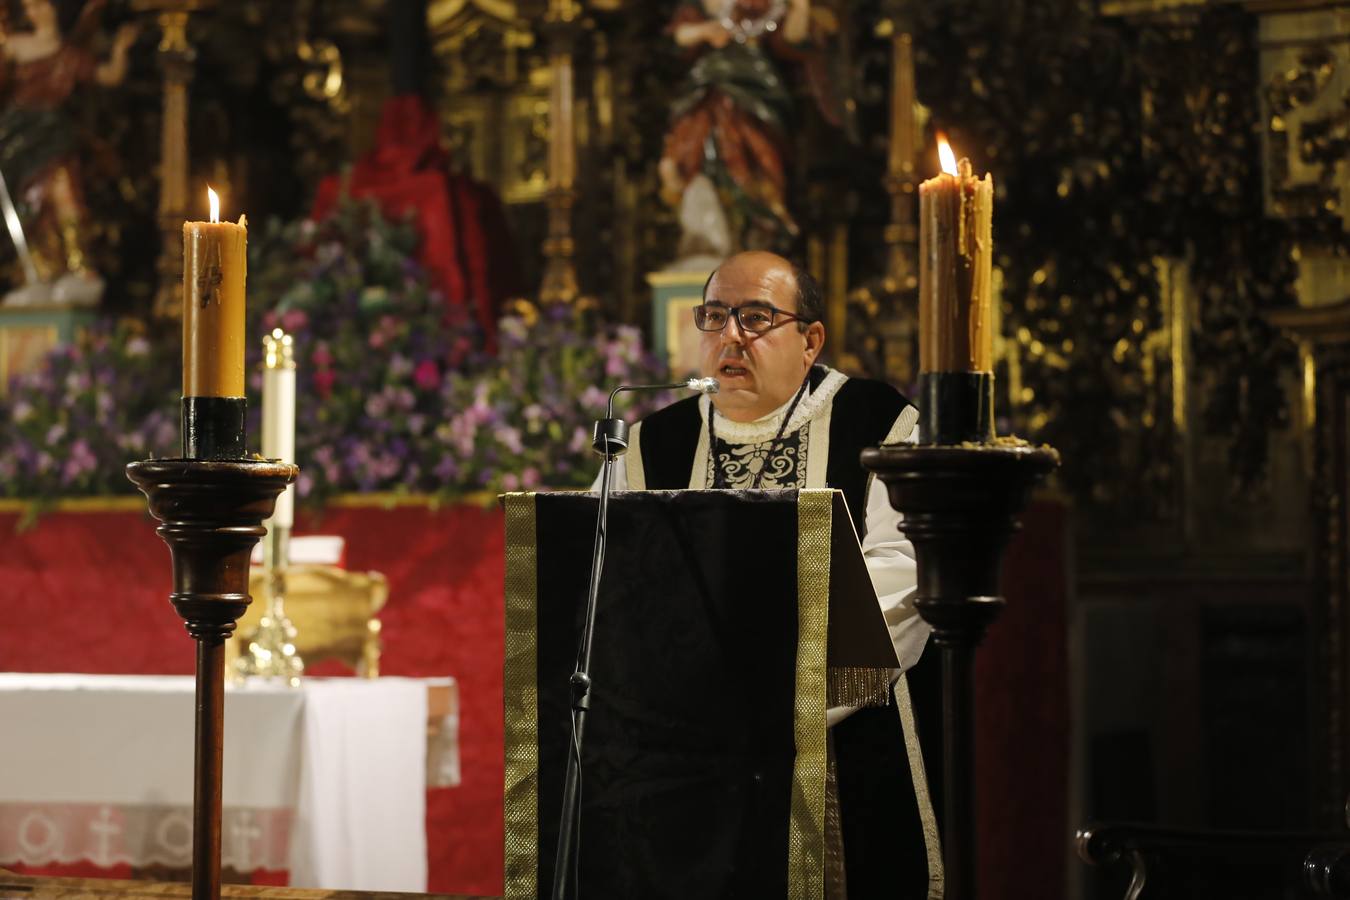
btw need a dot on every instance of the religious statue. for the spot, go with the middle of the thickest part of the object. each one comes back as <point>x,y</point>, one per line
<point>724,163</point>
<point>44,58</point>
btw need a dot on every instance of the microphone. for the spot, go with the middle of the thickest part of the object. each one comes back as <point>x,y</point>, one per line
<point>703,385</point>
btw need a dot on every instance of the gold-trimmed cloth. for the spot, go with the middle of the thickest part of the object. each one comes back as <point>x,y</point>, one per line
<point>521,696</point>
<point>806,829</point>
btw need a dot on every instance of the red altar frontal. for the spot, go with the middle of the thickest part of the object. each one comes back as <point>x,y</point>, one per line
<point>86,590</point>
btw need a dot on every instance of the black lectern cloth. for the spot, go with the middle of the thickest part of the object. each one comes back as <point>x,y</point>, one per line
<point>689,745</point>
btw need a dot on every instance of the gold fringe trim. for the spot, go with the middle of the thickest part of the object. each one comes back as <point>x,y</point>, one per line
<point>806,829</point>
<point>857,687</point>
<point>521,694</point>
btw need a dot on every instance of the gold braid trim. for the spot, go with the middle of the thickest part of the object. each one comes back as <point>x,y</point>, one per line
<point>521,694</point>
<point>806,829</point>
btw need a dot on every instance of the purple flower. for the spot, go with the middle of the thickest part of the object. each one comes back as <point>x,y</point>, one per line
<point>446,469</point>
<point>80,460</point>
<point>510,439</point>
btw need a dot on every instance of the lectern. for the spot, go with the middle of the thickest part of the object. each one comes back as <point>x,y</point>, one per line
<point>704,764</point>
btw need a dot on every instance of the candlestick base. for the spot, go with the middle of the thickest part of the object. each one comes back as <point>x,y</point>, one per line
<point>960,506</point>
<point>211,514</point>
<point>213,428</point>
<point>956,408</point>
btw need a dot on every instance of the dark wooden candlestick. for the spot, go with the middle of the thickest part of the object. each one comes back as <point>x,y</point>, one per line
<point>212,514</point>
<point>960,506</point>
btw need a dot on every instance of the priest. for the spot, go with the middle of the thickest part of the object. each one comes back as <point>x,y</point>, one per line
<point>782,420</point>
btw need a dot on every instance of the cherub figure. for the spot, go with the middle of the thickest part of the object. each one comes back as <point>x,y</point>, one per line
<point>41,66</point>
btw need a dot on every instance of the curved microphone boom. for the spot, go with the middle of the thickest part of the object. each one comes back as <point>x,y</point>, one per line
<point>610,436</point>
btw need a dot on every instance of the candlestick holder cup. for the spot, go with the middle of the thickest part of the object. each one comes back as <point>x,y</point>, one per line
<point>960,505</point>
<point>211,514</point>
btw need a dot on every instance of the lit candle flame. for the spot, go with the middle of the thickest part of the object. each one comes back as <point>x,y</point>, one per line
<point>945,155</point>
<point>215,204</point>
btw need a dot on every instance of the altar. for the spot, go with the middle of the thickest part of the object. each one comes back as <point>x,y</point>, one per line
<point>94,572</point>
<point>326,782</point>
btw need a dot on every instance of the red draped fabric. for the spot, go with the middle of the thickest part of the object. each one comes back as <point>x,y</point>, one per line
<point>88,592</point>
<point>465,244</point>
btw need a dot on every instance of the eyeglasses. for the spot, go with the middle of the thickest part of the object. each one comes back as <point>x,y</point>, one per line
<point>753,318</point>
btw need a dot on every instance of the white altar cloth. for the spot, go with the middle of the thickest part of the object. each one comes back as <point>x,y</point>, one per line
<point>327,781</point>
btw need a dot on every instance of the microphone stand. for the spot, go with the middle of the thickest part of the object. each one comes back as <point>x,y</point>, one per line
<point>610,440</point>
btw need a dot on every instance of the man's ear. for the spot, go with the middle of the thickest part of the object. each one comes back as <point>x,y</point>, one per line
<point>815,341</point>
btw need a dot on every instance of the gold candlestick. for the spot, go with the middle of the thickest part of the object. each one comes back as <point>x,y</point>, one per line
<point>271,647</point>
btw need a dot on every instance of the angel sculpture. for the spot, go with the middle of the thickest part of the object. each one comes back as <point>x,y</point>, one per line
<point>724,163</point>
<point>40,68</point>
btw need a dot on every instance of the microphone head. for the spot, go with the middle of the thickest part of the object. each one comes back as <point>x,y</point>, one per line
<point>704,385</point>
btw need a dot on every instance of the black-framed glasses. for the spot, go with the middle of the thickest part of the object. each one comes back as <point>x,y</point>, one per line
<point>753,318</point>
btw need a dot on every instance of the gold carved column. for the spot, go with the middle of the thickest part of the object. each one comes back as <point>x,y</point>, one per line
<point>902,234</point>
<point>884,300</point>
<point>560,274</point>
<point>176,58</point>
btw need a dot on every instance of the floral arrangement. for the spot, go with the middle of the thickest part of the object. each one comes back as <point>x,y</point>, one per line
<point>395,390</point>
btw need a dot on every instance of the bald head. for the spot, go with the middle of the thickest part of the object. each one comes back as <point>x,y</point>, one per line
<point>810,298</point>
<point>759,368</point>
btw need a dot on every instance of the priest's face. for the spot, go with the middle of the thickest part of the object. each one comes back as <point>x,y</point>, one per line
<point>758,372</point>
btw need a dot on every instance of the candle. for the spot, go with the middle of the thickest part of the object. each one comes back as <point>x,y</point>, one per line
<point>214,267</point>
<point>278,415</point>
<point>956,339</point>
<point>956,212</point>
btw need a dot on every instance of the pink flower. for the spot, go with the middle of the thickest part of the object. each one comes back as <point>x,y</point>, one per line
<point>510,482</point>
<point>322,357</point>
<point>426,375</point>
<point>323,383</point>
<point>293,320</point>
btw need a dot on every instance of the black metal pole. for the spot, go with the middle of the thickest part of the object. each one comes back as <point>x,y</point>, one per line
<point>563,857</point>
<point>610,439</point>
